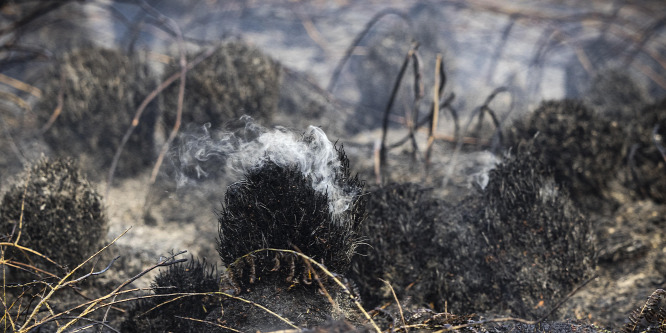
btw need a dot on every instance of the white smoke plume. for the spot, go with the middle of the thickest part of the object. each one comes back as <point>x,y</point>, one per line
<point>249,148</point>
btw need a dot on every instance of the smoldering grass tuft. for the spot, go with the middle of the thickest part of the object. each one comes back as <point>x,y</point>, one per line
<point>277,206</point>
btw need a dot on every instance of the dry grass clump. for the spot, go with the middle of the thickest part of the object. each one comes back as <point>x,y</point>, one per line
<point>55,212</point>
<point>236,80</point>
<point>89,100</point>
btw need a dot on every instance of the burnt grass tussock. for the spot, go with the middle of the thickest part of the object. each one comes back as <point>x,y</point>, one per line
<point>236,80</point>
<point>510,248</point>
<point>581,147</point>
<point>90,98</point>
<point>159,312</point>
<point>56,212</point>
<point>276,207</point>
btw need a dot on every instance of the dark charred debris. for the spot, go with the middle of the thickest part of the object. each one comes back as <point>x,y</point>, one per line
<point>90,98</point>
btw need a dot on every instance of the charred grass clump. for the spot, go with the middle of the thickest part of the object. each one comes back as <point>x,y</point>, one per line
<point>55,212</point>
<point>514,247</point>
<point>402,219</point>
<point>528,244</point>
<point>646,157</point>
<point>236,80</point>
<point>90,99</point>
<point>167,308</point>
<point>277,207</point>
<point>268,220</point>
<point>583,149</point>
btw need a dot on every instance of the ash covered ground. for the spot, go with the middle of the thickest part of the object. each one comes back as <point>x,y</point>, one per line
<point>532,200</point>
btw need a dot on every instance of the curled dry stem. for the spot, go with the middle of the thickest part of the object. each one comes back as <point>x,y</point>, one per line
<point>61,283</point>
<point>389,106</point>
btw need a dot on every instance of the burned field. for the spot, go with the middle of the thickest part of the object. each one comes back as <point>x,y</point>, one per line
<point>208,187</point>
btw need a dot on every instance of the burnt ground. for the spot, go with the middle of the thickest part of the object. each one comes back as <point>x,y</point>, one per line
<point>601,156</point>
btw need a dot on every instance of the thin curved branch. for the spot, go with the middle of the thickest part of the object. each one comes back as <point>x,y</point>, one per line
<point>359,37</point>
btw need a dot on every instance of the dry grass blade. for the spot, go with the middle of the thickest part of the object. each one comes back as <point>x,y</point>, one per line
<point>94,323</point>
<point>27,268</point>
<point>402,315</point>
<point>181,89</point>
<point>321,285</point>
<point>12,143</point>
<point>61,283</point>
<point>183,295</point>
<point>20,102</point>
<point>413,116</point>
<point>645,36</point>
<point>656,77</point>
<point>58,109</point>
<point>184,68</point>
<point>209,323</point>
<point>20,85</point>
<point>461,140</point>
<point>29,250</point>
<point>20,224</point>
<point>41,10</point>
<point>499,49</point>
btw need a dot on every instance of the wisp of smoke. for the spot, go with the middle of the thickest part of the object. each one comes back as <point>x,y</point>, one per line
<point>249,148</point>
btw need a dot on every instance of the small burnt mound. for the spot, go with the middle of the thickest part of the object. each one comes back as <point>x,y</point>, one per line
<point>160,310</point>
<point>269,217</point>
<point>513,247</point>
<point>90,98</point>
<point>524,243</point>
<point>56,212</point>
<point>582,149</point>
